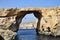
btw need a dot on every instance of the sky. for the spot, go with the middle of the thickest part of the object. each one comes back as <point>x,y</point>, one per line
<point>27,4</point>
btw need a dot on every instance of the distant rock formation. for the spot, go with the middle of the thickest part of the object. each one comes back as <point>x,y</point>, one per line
<point>48,20</point>
<point>28,25</point>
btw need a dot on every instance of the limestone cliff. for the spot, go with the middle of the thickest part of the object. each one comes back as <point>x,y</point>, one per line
<point>48,19</point>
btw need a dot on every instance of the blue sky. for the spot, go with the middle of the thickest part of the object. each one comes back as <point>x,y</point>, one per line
<point>27,4</point>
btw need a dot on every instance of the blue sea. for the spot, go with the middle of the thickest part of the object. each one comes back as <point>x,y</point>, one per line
<point>30,34</point>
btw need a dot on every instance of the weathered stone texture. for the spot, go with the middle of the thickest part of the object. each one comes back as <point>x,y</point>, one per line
<point>50,23</point>
<point>48,20</point>
<point>7,34</point>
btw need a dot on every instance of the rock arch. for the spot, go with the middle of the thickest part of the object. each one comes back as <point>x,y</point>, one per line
<point>48,20</point>
<point>21,14</point>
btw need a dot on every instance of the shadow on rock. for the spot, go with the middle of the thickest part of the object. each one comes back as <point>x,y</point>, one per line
<point>16,37</point>
<point>1,38</point>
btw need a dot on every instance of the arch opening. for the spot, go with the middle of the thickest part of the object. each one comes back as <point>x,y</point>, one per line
<point>28,22</point>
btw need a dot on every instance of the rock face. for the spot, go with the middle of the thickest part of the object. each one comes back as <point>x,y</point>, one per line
<point>48,20</point>
<point>7,34</point>
<point>50,23</point>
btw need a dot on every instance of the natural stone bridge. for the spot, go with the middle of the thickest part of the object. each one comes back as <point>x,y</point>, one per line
<point>48,21</point>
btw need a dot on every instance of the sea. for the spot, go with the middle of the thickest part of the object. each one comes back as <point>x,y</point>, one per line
<point>30,34</point>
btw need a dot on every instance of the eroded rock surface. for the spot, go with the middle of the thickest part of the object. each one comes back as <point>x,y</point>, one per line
<point>50,23</point>
<point>48,20</point>
<point>7,34</point>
